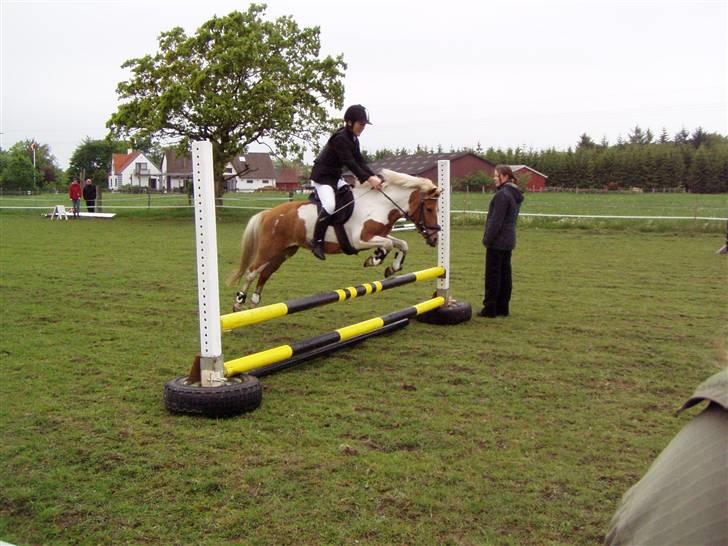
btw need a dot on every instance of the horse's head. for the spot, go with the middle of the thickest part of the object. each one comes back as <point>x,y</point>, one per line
<point>420,195</point>
<point>423,210</point>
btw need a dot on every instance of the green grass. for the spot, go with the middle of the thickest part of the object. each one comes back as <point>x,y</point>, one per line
<point>626,204</point>
<point>524,430</point>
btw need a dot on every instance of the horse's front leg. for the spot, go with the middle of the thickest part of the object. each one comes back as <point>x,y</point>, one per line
<point>377,257</point>
<point>382,246</point>
<point>399,256</point>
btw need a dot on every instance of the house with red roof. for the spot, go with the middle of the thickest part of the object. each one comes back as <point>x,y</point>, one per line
<point>133,169</point>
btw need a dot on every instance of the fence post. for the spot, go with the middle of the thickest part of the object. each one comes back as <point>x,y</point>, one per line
<point>443,218</point>
<point>212,371</point>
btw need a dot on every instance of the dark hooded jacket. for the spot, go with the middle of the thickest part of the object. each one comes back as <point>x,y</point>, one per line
<point>342,150</point>
<point>500,227</point>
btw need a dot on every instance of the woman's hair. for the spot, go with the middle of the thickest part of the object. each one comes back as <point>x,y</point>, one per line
<point>505,170</point>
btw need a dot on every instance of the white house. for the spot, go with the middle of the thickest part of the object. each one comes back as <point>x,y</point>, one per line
<point>176,171</point>
<point>250,172</point>
<point>133,169</point>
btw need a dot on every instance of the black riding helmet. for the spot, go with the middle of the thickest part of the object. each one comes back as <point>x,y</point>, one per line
<point>356,112</point>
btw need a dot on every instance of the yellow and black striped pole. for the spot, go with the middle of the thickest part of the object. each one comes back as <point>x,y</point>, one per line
<point>268,312</point>
<point>283,352</point>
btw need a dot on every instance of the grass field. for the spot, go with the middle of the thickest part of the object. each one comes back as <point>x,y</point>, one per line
<point>524,430</point>
<point>626,204</point>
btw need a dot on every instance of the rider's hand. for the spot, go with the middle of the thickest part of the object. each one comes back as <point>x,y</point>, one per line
<point>374,181</point>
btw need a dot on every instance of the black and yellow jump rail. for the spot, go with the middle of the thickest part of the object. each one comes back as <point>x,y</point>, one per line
<point>288,353</point>
<point>268,312</point>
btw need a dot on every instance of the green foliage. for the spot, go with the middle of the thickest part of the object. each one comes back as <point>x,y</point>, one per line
<point>473,182</point>
<point>17,172</point>
<point>707,169</point>
<point>237,80</point>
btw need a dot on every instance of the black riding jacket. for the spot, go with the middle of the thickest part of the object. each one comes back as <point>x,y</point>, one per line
<point>500,227</point>
<point>89,192</point>
<point>342,150</point>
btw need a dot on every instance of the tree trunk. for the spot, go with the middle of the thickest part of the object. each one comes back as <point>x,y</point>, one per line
<point>217,170</point>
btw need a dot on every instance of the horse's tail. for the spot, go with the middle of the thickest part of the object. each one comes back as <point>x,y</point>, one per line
<point>249,247</point>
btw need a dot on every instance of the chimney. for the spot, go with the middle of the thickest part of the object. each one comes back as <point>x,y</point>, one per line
<point>129,151</point>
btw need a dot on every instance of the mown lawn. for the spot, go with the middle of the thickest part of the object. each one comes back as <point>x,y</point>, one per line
<point>616,203</point>
<point>524,430</point>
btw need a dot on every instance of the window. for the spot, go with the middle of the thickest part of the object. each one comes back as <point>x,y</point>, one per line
<point>248,181</point>
<point>265,181</point>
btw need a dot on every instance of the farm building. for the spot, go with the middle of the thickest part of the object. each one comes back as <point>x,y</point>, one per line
<point>425,165</point>
<point>287,179</point>
<point>250,172</point>
<point>461,164</point>
<point>133,169</point>
<point>176,171</point>
<point>531,178</point>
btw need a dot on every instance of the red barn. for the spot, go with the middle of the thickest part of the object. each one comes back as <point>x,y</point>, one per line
<point>533,180</point>
<point>461,164</point>
<point>425,165</point>
<point>287,179</point>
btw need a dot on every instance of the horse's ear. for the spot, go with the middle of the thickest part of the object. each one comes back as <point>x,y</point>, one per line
<point>434,192</point>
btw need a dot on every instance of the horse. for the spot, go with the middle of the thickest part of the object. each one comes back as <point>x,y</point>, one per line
<point>274,235</point>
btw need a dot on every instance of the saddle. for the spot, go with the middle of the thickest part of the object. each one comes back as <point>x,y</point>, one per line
<point>343,211</point>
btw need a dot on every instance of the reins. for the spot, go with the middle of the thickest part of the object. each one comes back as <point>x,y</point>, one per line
<point>423,228</point>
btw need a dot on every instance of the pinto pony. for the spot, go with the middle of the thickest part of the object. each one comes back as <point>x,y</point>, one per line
<point>274,235</point>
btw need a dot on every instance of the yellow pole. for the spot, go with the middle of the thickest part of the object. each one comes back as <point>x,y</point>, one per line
<point>282,352</point>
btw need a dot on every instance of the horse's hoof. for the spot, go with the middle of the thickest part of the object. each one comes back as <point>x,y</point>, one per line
<point>389,271</point>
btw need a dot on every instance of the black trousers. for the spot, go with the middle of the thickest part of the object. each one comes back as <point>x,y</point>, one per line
<point>498,282</point>
<point>90,204</point>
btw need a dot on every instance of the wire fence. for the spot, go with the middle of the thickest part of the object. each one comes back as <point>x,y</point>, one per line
<point>258,202</point>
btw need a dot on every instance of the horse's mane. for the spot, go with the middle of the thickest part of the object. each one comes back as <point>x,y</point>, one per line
<point>407,180</point>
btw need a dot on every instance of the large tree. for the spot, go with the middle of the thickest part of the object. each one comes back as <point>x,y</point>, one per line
<point>238,80</point>
<point>29,165</point>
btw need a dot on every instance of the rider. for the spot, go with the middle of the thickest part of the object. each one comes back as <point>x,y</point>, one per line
<point>341,150</point>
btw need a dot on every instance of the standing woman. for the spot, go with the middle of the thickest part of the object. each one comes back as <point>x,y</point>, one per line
<point>89,195</point>
<point>341,150</point>
<point>74,193</point>
<point>500,240</point>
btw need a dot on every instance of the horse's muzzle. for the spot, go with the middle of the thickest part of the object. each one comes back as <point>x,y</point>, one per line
<point>431,238</point>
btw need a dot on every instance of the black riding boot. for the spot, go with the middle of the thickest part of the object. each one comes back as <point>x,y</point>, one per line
<point>319,232</point>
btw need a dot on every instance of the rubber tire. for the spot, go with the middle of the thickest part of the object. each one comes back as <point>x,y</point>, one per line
<point>240,394</point>
<point>453,313</point>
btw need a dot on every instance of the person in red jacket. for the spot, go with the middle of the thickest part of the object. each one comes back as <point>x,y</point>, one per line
<point>74,193</point>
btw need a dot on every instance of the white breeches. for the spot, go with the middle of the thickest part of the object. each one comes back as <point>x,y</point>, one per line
<point>327,196</point>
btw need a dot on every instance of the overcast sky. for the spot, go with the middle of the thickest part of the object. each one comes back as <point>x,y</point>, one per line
<point>455,73</point>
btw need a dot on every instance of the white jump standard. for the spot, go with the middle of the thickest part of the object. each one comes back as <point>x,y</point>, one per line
<point>218,388</point>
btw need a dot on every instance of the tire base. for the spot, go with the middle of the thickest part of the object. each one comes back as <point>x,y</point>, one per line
<point>238,395</point>
<point>453,312</point>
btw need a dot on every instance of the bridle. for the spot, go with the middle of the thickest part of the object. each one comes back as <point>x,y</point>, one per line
<point>424,229</point>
